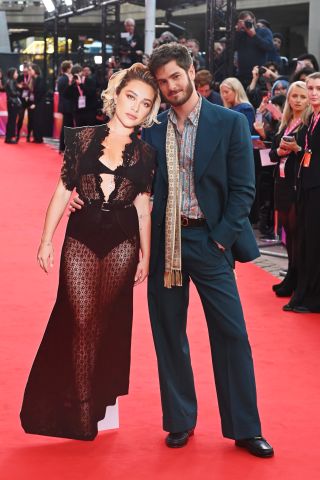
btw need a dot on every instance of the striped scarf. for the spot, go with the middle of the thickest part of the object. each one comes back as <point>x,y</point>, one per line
<point>172,273</point>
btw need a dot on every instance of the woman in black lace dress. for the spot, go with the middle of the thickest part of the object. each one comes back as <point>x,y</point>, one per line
<point>83,361</point>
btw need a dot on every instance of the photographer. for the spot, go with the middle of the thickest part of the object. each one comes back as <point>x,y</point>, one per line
<point>252,44</point>
<point>131,45</point>
<point>198,59</point>
<point>82,94</point>
<point>261,83</point>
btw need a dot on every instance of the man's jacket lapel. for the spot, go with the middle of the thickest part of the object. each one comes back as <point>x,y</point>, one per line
<point>159,139</point>
<point>209,134</point>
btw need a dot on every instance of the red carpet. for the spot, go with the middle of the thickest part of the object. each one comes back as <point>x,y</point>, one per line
<point>285,348</point>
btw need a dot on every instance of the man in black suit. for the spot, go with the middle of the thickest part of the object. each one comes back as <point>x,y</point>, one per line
<point>203,191</point>
<point>64,106</point>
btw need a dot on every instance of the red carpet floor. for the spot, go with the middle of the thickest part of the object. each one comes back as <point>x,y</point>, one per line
<point>285,348</point>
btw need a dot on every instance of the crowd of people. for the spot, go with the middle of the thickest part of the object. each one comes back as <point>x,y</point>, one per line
<point>26,91</point>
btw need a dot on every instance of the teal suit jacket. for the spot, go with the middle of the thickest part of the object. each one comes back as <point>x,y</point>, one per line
<point>224,180</point>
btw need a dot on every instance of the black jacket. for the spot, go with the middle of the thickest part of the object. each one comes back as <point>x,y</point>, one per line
<point>64,105</point>
<point>39,90</point>
<point>13,94</point>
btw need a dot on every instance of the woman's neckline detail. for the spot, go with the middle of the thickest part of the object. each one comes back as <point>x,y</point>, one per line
<point>133,139</point>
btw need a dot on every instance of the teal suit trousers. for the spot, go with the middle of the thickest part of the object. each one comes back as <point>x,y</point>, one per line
<point>213,276</point>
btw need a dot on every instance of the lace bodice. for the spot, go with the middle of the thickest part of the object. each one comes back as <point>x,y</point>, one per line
<point>82,169</point>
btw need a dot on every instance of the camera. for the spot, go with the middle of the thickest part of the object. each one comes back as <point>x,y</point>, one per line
<point>262,70</point>
<point>248,24</point>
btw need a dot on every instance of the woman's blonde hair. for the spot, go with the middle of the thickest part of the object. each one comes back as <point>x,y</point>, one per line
<point>313,76</point>
<point>120,79</point>
<point>236,86</point>
<point>287,114</point>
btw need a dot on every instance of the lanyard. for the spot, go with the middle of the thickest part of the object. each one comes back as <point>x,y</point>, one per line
<point>293,127</point>
<point>312,126</point>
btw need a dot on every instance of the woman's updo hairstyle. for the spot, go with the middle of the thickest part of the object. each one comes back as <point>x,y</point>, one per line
<point>120,79</point>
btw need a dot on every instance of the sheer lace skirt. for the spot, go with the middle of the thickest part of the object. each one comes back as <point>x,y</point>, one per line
<point>83,362</point>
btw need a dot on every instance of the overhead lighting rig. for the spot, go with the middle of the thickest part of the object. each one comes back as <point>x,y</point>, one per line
<point>68,8</point>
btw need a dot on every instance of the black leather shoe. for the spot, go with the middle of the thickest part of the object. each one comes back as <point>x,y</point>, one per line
<point>288,307</point>
<point>177,440</point>
<point>257,446</point>
<point>301,309</point>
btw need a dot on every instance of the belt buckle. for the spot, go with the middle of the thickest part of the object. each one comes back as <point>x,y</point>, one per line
<point>184,221</point>
<point>103,207</point>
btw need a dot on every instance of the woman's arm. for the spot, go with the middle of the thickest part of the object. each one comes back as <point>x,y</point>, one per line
<point>142,204</point>
<point>54,213</point>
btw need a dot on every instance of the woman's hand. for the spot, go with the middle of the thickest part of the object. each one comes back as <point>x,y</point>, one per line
<point>45,255</point>
<point>142,272</point>
<point>289,147</point>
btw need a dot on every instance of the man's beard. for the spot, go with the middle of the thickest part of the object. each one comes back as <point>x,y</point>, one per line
<point>185,97</point>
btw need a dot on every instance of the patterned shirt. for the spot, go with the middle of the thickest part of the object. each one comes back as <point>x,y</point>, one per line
<point>186,143</point>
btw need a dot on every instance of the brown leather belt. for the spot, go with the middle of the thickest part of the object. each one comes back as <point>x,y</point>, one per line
<point>192,222</point>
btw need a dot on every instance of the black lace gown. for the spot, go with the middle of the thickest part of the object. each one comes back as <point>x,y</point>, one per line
<point>83,361</point>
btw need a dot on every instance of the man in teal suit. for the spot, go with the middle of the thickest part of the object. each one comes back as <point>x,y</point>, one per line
<point>203,191</point>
